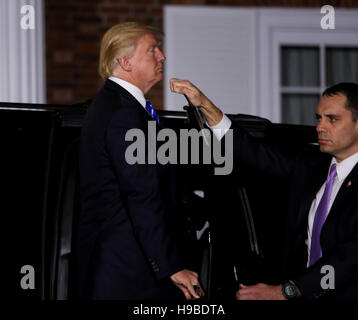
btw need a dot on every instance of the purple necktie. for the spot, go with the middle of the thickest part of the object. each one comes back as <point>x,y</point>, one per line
<point>320,217</point>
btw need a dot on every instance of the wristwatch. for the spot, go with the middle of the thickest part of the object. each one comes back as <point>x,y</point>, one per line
<point>289,290</point>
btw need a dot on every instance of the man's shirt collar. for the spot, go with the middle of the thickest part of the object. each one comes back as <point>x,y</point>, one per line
<point>131,88</point>
<point>345,167</point>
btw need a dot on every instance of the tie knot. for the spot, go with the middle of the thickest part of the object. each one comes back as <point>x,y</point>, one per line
<point>149,107</point>
<point>148,104</point>
<point>151,111</point>
<point>332,171</point>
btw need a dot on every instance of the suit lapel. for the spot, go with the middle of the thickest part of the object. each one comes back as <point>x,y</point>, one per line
<point>123,93</point>
<point>345,194</point>
<point>348,185</point>
<point>316,176</point>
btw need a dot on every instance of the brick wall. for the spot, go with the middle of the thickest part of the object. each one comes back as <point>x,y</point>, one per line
<point>74,29</point>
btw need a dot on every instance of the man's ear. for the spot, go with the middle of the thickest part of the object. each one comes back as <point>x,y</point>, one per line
<point>125,63</point>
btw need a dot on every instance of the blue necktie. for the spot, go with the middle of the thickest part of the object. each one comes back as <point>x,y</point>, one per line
<point>151,110</point>
<point>320,217</point>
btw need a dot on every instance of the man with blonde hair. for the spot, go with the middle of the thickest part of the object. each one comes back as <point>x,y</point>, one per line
<point>127,246</point>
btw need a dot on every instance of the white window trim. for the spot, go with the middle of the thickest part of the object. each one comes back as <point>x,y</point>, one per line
<point>271,28</point>
<point>279,27</point>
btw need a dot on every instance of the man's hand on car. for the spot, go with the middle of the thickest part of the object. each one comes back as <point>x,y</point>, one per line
<point>212,114</point>
<point>185,280</point>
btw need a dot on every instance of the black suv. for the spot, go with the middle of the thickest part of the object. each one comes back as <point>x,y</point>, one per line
<point>233,224</point>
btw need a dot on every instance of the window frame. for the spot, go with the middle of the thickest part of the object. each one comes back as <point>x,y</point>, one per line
<point>296,27</point>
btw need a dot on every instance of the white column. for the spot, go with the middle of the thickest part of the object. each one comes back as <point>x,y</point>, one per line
<point>22,52</point>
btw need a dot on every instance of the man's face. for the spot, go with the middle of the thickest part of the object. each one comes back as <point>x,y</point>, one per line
<point>147,63</point>
<point>337,133</point>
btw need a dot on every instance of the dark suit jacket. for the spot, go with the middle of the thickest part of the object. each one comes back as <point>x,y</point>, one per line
<point>126,247</point>
<point>305,173</point>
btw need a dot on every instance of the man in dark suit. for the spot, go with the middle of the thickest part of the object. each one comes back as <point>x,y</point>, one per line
<point>127,245</point>
<point>321,243</point>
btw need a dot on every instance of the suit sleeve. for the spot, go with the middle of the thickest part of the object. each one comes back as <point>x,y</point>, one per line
<point>252,152</point>
<point>139,185</point>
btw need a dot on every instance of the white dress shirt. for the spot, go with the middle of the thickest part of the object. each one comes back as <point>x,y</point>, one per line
<point>343,170</point>
<point>221,128</point>
<point>132,89</point>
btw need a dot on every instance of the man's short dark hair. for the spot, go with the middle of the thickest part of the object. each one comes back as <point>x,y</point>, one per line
<point>350,90</point>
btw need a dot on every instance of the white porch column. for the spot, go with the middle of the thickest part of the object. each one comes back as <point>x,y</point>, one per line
<point>22,51</point>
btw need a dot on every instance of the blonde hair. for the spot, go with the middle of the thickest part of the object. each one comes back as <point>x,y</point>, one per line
<point>119,41</point>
